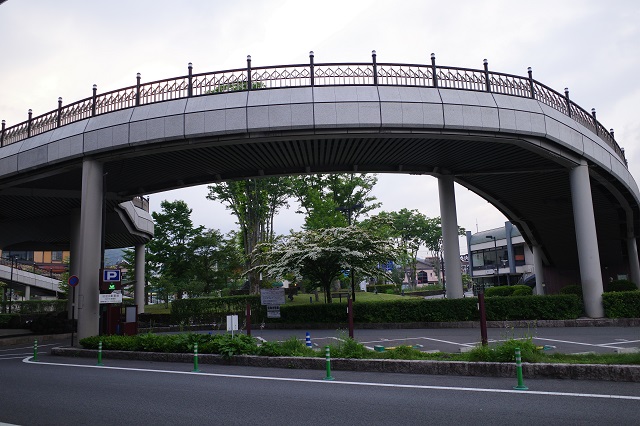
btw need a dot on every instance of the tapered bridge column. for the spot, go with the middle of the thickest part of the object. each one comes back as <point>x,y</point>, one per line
<point>450,246</point>
<point>587,241</point>
<point>90,249</point>
<point>138,294</point>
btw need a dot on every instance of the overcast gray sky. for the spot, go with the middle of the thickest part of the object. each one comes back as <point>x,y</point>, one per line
<point>62,48</point>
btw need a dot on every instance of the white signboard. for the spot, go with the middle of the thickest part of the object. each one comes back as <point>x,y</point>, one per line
<point>110,298</point>
<point>272,296</point>
<point>273,311</point>
<point>232,322</point>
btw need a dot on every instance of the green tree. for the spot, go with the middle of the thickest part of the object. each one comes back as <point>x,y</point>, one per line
<point>254,202</point>
<point>323,255</point>
<point>171,249</point>
<point>321,197</point>
<point>215,262</point>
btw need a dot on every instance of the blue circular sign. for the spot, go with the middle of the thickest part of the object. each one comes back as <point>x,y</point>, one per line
<point>73,280</point>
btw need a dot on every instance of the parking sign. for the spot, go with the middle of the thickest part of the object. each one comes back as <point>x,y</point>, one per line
<point>110,279</point>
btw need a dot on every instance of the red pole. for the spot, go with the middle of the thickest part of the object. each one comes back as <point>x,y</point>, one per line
<point>350,316</point>
<point>248,319</point>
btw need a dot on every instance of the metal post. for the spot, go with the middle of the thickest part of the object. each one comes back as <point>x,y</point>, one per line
<point>190,88</point>
<point>195,358</point>
<point>73,313</point>
<point>375,67</point>
<point>350,316</point>
<point>595,121</point>
<point>138,89</point>
<point>613,137</point>
<point>327,352</point>
<point>533,92</point>
<point>433,70</point>
<point>4,124</point>
<point>483,316</point>
<point>308,340</point>
<point>248,319</point>
<point>566,97</point>
<point>521,385</point>
<point>486,75</point>
<point>29,123</point>
<point>100,353</point>
<point>93,100</point>
<point>311,68</point>
<point>59,118</point>
<point>12,259</point>
<point>248,72</point>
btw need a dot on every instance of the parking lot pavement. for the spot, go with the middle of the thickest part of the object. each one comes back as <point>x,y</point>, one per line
<point>563,340</point>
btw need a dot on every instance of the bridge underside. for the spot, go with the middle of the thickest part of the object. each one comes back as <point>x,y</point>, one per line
<point>525,177</point>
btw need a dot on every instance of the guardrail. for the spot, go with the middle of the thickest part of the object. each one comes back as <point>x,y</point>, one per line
<point>29,267</point>
<point>308,75</point>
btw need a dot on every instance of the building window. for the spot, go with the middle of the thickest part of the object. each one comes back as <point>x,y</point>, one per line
<point>56,256</point>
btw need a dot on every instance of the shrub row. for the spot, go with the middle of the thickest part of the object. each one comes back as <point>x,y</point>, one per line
<point>506,290</point>
<point>35,306</point>
<point>206,309</point>
<point>623,304</point>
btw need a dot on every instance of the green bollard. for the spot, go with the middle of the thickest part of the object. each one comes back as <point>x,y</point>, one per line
<point>35,350</point>
<point>327,352</point>
<point>100,353</point>
<point>521,385</point>
<point>195,358</point>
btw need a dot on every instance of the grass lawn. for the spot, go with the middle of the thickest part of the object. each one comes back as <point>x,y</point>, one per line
<point>361,296</point>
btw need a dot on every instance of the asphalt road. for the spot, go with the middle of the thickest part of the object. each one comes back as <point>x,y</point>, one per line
<point>60,391</point>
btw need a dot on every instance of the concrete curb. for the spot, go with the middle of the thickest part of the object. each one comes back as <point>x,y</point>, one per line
<point>619,373</point>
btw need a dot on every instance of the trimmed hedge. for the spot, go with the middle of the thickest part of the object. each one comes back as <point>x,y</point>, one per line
<point>36,306</point>
<point>382,288</point>
<point>557,307</point>
<point>620,285</point>
<point>9,321</point>
<point>209,309</point>
<point>504,290</point>
<point>621,304</point>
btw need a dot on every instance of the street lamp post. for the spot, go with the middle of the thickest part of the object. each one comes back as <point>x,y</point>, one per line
<point>349,210</point>
<point>495,262</point>
<point>12,259</point>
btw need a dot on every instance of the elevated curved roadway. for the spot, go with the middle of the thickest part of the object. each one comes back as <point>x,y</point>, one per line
<point>548,165</point>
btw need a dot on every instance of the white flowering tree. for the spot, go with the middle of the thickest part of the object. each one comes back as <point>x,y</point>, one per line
<point>324,255</point>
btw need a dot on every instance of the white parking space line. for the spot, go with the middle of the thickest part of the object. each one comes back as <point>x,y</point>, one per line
<point>418,338</point>
<point>579,343</point>
<point>17,356</point>
<point>620,341</point>
<point>339,382</point>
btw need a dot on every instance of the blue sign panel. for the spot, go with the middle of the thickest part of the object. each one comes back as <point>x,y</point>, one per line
<point>111,275</point>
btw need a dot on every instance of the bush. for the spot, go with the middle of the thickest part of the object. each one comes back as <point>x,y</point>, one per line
<point>51,323</point>
<point>514,290</point>
<point>505,352</point>
<point>621,285</point>
<point>382,288</point>
<point>566,306</point>
<point>36,306</point>
<point>572,289</point>
<point>209,309</point>
<point>9,321</point>
<point>621,304</point>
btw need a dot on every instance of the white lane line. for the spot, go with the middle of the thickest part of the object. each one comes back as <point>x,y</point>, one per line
<point>446,341</point>
<point>621,341</point>
<point>578,343</point>
<point>27,347</point>
<point>418,338</point>
<point>27,360</point>
<point>23,355</point>
<point>14,357</point>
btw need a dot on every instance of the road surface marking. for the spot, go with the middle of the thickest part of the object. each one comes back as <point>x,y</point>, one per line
<point>579,343</point>
<point>28,347</point>
<point>27,360</point>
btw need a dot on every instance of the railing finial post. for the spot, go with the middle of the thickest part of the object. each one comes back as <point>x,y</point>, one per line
<point>249,72</point>
<point>595,121</point>
<point>566,96</point>
<point>59,118</point>
<point>486,75</point>
<point>533,92</point>
<point>93,100</point>
<point>433,70</point>
<point>4,123</point>
<point>29,123</point>
<point>613,137</point>
<point>138,89</point>
<point>311,68</point>
<point>375,67</point>
<point>190,88</point>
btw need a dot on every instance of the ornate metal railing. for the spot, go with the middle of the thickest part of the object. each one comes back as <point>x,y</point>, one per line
<point>307,75</point>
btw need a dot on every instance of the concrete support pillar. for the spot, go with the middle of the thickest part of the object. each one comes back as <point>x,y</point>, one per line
<point>450,246</point>
<point>90,249</point>
<point>634,265</point>
<point>138,294</point>
<point>538,269</point>
<point>75,256</point>
<point>587,241</point>
<point>27,292</point>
